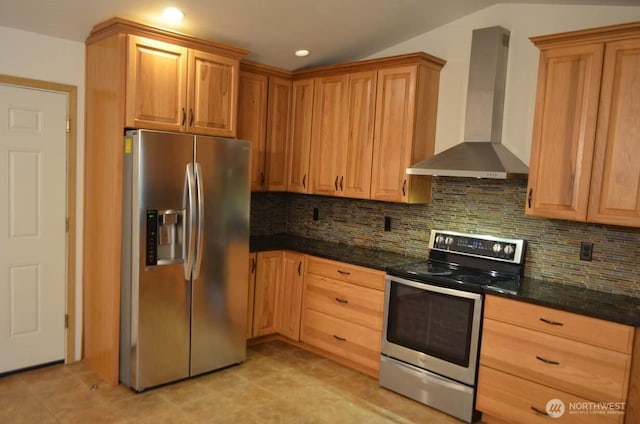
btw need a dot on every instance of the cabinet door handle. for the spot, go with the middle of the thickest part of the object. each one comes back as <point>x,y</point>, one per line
<point>304,181</point>
<point>404,187</point>
<point>539,411</point>
<point>184,116</point>
<point>529,197</point>
<point>300,268</point>
<point>548,321</point>
<point>342,339</point>
<point>343,301</point>
<point>262,179</point>
<point>191,117</point>
<point>336,183</point>
<point>253,265</point>
<point>547,361</point>
<point>341,180</point>
<point>343,272</point>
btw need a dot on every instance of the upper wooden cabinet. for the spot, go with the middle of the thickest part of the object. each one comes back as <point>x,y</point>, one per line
<point>299,151</point>
<point>264,110</point>
<point>170,87</point>
<point>585,146</point>
<point>406,108</point>
<point>370,121</point>
<point>342,135</point>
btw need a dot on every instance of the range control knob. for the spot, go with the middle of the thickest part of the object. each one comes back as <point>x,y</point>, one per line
<point>449,241</point>
<point>508,249</point>
<point>439,239</point>
<point>497,247</point>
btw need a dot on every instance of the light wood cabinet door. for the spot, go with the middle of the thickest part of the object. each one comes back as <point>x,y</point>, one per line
<point>253,266</point>
<point>564,131</point>
<point>355,178</point>
<point>213,94</point>
<point>290,295</point>
<point>615,184</point>
<point>279,112</point>
<point>252,122</point>
<point>156,85</point>
<point>300,136</point>
<point>328,134</point>
<point>268,274</point>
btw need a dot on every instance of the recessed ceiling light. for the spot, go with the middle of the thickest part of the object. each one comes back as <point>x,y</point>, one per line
<point>302,53</point>
<point>172,15</point>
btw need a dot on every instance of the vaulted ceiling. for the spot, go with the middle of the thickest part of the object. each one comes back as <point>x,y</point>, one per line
<point>333,30</point>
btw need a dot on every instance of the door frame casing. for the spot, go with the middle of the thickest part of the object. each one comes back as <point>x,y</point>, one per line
<point>71,91</point>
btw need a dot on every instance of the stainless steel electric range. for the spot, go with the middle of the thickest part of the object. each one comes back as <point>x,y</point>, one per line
<point>433,317</point>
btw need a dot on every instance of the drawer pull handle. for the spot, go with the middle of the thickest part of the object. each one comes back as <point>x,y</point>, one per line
<point>547,361</point>
<point>548,321</point>
<point>345,301</point>
<point>341,339</point>
<point>539,411</point>
<point>343,272</point>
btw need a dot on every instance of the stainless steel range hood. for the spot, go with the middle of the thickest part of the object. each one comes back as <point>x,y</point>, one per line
<point>481,155</point>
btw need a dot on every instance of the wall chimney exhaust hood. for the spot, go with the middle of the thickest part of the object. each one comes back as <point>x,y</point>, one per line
<point>482,154</point>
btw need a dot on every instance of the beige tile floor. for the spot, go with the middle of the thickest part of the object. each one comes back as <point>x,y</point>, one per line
<point>278,383</point>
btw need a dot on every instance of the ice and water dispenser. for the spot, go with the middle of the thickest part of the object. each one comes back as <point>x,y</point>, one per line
<point>165,237</point>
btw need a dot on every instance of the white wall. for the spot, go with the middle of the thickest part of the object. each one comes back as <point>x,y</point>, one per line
<point>29,55</point>
<point>452,42</point>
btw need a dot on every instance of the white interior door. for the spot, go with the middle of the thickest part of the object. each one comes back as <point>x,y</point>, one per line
<point>32,226</point>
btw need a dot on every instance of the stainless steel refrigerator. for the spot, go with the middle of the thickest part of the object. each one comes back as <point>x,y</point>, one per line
<point>184,256</point>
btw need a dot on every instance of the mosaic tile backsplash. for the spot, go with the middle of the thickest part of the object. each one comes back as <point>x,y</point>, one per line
<point>494,207</point>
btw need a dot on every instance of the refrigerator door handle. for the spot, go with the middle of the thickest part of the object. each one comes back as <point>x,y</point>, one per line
<point>198,260</point>
<point>190,188</point>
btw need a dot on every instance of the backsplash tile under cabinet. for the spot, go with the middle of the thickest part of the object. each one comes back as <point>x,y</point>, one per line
<point>268,213</point>
<point>493,207</point>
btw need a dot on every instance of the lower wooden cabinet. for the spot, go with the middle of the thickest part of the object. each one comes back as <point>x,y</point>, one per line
<point>289,302</point>
<point>342,311</point>
<point>253,266</point>
<point>531,355</point>
<point>268,274</point>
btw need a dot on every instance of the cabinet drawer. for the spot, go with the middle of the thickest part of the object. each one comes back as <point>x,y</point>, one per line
<point>594,331</point>
<point>351,273</point>
<point>512,399</point>
<point>348,301</point>
<point>343,338</point>
<point>588,371</point>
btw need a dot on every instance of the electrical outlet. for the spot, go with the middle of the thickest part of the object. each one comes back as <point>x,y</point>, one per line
<point>316,214</point>
<point>387,223</point>
<point>586,251</point>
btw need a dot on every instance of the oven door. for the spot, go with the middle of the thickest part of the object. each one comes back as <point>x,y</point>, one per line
<point>432,327</point>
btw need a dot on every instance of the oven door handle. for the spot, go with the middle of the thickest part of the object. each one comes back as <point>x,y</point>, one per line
<point>433,288</point>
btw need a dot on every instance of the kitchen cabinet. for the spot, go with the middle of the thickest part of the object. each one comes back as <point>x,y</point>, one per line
<point>252,122</point>
<point>549,354</point>
<point>123,84</point>
<point>253,267</point>
<point>264,110</point>
<point>300,136</point>
<point>174,88</point>
<point>370,121</point>
<point>405,123</point>
<point>268,275</point>
<point>583,165</point>
<point>342,135</point>
<point>342,311</point>
<point>289,303</point>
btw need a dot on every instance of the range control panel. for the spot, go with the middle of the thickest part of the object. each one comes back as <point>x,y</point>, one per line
<point>489,247</point>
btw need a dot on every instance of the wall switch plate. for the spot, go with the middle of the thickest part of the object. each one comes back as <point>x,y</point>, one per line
<point>316,214</point>
<point>387,223</point>
<point>586,251</point>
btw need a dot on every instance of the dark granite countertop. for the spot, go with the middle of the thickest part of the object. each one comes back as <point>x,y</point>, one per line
<point>570,298</point>
<point>370,258</point>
